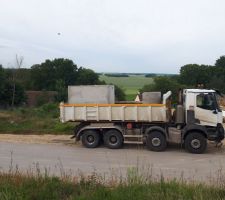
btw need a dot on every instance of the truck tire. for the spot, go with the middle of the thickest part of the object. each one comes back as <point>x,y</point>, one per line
<point>195,142</point>
<point>156,141</point>
<point>113,139</point>
<point>90,138</point>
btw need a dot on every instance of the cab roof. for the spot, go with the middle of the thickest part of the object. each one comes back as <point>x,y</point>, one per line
<point>199,90</point>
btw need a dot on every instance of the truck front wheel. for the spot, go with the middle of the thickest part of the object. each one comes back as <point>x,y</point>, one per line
<point>195,142</point>
<point>156,141</point>
<point>90,138</point>
<point>113,139</point>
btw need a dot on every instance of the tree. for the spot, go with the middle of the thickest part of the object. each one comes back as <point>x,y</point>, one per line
<point>19,62</point>
<point>7,88</point>
<point>164,84</point>
<point>2,80</point>
<point>218,75</point>
<point>151,75</point>
<point>61,90</point>
<point>217,83</point>
<point>209,76</point>
<point>45,75</point>
<point>194,74</point>
<point>87,77</point>
<point>58,74</point>
<point>2,74</point>
<point>19,95</point>
<point>119,94</point>
<point>220,62</point>
<point>23,78</point>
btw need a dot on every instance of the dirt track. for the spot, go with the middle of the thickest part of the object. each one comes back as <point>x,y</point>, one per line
<point>57,152</point>
<point>36,139</point>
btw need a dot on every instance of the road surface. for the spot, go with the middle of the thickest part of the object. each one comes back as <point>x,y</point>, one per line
<point>73,159</point>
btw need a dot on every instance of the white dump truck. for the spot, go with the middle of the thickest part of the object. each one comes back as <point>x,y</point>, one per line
<point>196,119</point>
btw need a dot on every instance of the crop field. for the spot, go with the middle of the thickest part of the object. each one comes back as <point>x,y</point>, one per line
<point>130,84</point>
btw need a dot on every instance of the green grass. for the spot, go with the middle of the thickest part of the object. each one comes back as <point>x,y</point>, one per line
<point>130,85</point>
<point>15,186</point>
<point>42,120</point>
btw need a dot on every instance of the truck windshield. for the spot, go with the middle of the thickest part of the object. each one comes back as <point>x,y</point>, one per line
<point>207,101</point>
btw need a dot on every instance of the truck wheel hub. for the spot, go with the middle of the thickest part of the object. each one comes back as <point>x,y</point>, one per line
<point>90,139</point>
<point>156,142</point>
<point>113,139</point>
<point>195,143</point>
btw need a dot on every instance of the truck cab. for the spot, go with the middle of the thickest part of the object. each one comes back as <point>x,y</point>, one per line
<point>199,118</point>
<point>205,106</point>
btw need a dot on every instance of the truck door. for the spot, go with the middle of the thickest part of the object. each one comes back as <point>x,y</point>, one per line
<point>205,109</point>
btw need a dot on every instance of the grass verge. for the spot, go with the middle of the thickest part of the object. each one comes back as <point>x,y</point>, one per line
<point>41,120</point>
<point>26,187</point>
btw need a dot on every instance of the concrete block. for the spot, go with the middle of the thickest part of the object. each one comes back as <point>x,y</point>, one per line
<point>91,94</point>
<point>151,97</point>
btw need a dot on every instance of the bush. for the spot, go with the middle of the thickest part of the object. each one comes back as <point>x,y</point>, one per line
<point>50,108</point>
<point>119,93</point>
<point>40,120</point>
<point>6,95</point>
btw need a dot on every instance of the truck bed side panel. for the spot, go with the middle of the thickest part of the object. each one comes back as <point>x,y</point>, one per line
<point>113,112</point>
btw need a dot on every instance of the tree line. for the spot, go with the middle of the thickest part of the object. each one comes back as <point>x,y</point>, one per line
<point>117,75</point>
<point>191,76</point>
<point>51,75</point>
<point>57,74</point>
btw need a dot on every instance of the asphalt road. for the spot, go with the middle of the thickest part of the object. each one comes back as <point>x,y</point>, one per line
<point>72,159</point>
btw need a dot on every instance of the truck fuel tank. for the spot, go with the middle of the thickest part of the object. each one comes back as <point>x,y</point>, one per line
<point>179,114</point>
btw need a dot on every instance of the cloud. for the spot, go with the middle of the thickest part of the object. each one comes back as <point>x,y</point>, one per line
<point>128,35</point>
<point>3,46</point>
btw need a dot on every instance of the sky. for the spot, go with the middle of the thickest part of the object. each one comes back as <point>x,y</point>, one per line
<point>151,36</point>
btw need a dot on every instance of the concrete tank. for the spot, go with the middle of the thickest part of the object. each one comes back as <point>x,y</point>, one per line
<point>99,94</point>
<point>151,97</point>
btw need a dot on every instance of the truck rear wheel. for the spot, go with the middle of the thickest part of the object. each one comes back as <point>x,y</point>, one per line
<point>90,138</point>
<point>156,141</point>
<point>195,142</point>
<point>113,139</point>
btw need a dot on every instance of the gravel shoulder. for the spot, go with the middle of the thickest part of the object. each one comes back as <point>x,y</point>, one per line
<point>59,153</point>
<point>42,139</point>
<point>53,139</point>
<point>73,159</point>
<point>37,139</point>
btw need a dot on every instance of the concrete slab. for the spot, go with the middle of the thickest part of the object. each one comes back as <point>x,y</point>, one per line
<point>91,94</point>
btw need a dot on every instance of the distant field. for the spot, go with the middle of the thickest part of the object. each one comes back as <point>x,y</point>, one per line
<point>130,84</point>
